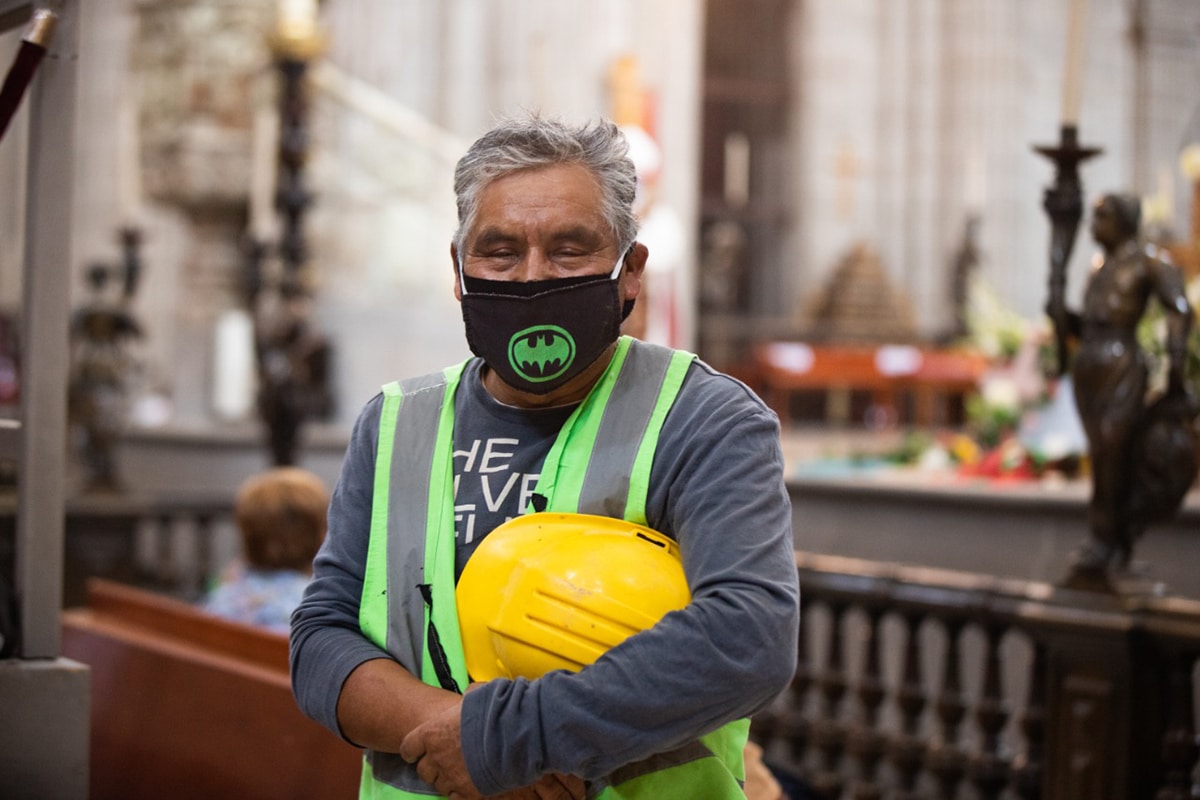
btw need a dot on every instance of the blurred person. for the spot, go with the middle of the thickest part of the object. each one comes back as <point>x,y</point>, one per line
<point>281,519</point>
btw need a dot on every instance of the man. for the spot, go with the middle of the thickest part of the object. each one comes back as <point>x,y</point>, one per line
<point>1110,379</point>
<point>556,413</point>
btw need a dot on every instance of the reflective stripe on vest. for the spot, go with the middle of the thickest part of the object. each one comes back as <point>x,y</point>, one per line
<point>409,549</point>
<point>599,464</point>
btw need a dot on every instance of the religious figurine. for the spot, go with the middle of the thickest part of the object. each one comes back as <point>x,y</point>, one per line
<point>962,272</point>
<point>1143,457</point>
<point>100,365</point>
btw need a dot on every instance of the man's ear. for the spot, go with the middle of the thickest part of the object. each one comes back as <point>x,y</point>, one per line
<point>454,266</point>
<point>635,267</point>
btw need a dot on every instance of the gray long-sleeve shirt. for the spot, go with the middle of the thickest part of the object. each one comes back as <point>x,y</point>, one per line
<point>716,486</point>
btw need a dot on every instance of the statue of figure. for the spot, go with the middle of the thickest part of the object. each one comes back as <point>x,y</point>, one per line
<point>966,264</point>
<point>1143,458</point>
<point>99,370</point>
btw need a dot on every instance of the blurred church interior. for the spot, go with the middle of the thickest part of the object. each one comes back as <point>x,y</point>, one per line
<point>844,208</point>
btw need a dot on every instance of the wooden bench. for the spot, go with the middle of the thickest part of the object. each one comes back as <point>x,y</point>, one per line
<point>187,705</point>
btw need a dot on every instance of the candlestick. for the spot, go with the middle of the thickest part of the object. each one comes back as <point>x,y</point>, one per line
<point>131,257</point>
<point>1076,52</point>
<point>1063,202</point>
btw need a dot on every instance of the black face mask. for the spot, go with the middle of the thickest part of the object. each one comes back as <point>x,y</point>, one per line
<point>538,335</point>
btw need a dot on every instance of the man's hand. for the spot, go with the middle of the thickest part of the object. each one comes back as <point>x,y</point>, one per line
<point>435,746</point>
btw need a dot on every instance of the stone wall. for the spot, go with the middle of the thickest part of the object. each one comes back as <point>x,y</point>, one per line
<point>939,103</point>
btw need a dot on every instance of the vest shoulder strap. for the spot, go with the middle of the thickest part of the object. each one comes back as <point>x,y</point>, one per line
<point>600,462</point>
<point>411,541</point>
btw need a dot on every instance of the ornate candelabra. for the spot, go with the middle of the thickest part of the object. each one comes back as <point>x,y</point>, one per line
<point>292,356</point>
<point>1063,202</point>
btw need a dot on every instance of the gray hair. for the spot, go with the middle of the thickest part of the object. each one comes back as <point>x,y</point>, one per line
<point>532,142</point>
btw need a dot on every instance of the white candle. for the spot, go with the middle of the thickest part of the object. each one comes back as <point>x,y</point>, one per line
<point>297,18</point>
<point>129,168</point>
<point>263,172</point>
<point>737,170</point>
<point>976,181</point>
<point>1189,162</point>
<point>1076,50</point>
<point>1166,192</point>
<point>234,378</point>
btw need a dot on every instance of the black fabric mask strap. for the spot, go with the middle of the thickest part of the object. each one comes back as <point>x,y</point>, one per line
<point>441,664</point>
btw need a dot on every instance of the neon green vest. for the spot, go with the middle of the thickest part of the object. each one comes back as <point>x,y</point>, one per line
<point>599,464</point>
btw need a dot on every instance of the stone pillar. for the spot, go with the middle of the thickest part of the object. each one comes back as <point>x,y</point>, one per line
<point>44,741</point>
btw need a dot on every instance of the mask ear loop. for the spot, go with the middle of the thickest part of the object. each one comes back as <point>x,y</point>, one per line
<point>620,263</point>
<point>462,281</point>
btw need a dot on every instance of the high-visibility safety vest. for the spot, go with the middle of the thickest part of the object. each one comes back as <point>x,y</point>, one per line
<point>599,464</point>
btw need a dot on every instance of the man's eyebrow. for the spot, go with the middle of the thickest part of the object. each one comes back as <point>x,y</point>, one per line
<point>492,236</point>
<point>579,233</point>
<point>584,234</point>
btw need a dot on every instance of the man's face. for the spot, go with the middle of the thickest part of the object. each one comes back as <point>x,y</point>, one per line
<point>544,223</point>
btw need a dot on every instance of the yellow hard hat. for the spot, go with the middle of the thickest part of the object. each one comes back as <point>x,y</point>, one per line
<point>556,591</point>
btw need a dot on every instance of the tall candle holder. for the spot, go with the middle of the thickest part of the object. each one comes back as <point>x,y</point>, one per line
<point>130,237</point>
<point>1063,202</point>
<point>292,356</point>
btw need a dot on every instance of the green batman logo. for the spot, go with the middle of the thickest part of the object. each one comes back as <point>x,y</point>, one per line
<point>541,353</point>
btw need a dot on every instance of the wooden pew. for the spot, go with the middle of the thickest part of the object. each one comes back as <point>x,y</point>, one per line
<point>187,705</point>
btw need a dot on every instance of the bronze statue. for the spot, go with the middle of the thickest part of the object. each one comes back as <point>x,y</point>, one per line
<point>1143,457</point>
<point>100,365</point>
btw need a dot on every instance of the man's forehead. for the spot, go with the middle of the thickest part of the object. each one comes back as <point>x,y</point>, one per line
<point>561,201</point>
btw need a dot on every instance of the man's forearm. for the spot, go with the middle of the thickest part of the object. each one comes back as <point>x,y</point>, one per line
<point>381,702</point>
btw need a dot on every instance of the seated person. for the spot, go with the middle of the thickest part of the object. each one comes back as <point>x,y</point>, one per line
<point>281,517</point>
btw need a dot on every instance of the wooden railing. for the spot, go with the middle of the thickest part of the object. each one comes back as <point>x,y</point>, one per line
<point>161,542</point>
<point>920,683</point>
